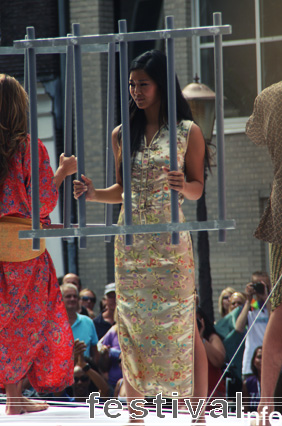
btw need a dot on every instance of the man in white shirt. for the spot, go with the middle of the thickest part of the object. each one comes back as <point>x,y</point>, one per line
<point>256,292</point>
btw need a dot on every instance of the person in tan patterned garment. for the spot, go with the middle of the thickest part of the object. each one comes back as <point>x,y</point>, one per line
<point>264,127</point>
<point>161,347</point>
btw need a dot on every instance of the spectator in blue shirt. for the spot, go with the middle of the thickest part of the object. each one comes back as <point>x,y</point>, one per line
<point>82,326</point>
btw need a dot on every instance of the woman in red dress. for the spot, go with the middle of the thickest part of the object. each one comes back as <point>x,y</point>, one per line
<point>35,337</point>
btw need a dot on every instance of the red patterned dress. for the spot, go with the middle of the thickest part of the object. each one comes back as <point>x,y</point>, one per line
<point>35,337</point>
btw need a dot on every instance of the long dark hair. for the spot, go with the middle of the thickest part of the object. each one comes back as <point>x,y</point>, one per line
<point>153,62</point>
<point>253,367</point>
<point>209,327</point>
<point>13,121</point>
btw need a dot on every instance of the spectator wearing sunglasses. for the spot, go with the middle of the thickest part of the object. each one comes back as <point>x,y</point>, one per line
<point>231,339</point>
<point>88,300</point>
<point>88,379</point>
<point>223,300</point>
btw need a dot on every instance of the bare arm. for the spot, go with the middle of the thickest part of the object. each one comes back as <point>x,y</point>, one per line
<point>95,377</point>
<point>67,167</point>
<point>94,353</point>
<point>214,347</point>
<point>242,319</point>
<point>192,187</point>
<point>111,195</point>
<point>215,350</point>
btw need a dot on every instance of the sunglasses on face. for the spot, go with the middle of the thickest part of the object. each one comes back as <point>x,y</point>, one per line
<point>226,297</point>
<point>81,379</point>
<point>86,298</point>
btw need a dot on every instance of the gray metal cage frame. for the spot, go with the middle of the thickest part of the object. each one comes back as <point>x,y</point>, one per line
<point>73,45</point>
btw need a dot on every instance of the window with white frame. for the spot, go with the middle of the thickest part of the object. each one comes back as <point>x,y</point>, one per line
<point>252,54</point>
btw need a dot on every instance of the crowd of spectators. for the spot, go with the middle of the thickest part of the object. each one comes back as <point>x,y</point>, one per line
<point>96,348</point>
<point>241,316</point>
<point>221,340</point>
<point>97,352</point>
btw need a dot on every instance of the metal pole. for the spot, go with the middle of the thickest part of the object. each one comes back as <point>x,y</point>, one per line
<point>171,93</point>
<point>31,59</point>
<point>26,88</point>
<point>25,69</point>
<point>110,126</point>
<point>68,132</point>
<point>218,71</point>
<point>126,155</point>
<point>79,129</point>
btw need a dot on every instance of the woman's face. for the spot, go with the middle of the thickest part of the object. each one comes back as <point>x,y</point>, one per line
<point>257,359</point>
<point>88,300</point>
<point>144,90</point>
<point>235,300</point>
<point>225,301</point>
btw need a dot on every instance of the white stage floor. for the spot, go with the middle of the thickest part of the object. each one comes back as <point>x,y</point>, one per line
<point>70,415</point>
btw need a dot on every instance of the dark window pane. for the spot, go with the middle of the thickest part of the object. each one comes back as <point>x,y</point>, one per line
<point>271,59</point>
<point>270,17</point>
<point>238,13</point>
<point>239,64</point>
<point>141,15</point>
<point>207,67</point>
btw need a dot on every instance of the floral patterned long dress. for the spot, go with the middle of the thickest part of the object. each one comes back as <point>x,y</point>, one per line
<point>155,280</point>
<point>35,336</point>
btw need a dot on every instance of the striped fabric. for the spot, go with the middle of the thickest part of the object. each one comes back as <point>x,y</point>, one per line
<point>275,260</point>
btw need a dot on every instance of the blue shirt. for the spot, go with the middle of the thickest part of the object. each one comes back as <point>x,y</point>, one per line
<point>84,330</point>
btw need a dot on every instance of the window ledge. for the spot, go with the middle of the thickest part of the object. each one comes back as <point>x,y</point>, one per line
<point>233,125</point>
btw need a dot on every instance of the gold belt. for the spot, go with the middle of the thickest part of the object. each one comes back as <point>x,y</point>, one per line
<point>12,249</point>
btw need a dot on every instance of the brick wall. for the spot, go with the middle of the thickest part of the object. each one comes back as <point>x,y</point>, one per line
<point>94,17</point>
<point>248,168</point>
<point>15,16</point>
<point>248,180</point>
<point>181,11</point>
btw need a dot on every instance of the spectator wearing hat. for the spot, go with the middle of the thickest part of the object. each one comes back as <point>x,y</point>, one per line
<point>104,321</point>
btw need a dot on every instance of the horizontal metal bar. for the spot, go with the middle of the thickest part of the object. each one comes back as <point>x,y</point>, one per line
<point>137,36</point>
<point>243,42</point>
<point>102,230</point>
<point>87,48</point>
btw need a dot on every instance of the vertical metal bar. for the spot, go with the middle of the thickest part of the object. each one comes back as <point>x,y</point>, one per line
<point>218,72</point>
<point>126,155</point>
<point>26,69</point>
<point>110,126</point>
<point>31,59</point>
<point>258,46</point>
<point>26,77</point>
<point>68,132</point>
<point>79,129</point>
<point>171,93</point>
<point>196,63</point>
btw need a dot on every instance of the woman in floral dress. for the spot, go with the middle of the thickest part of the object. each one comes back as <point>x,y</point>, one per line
<point>35,337</point>
<point>161,347</point>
